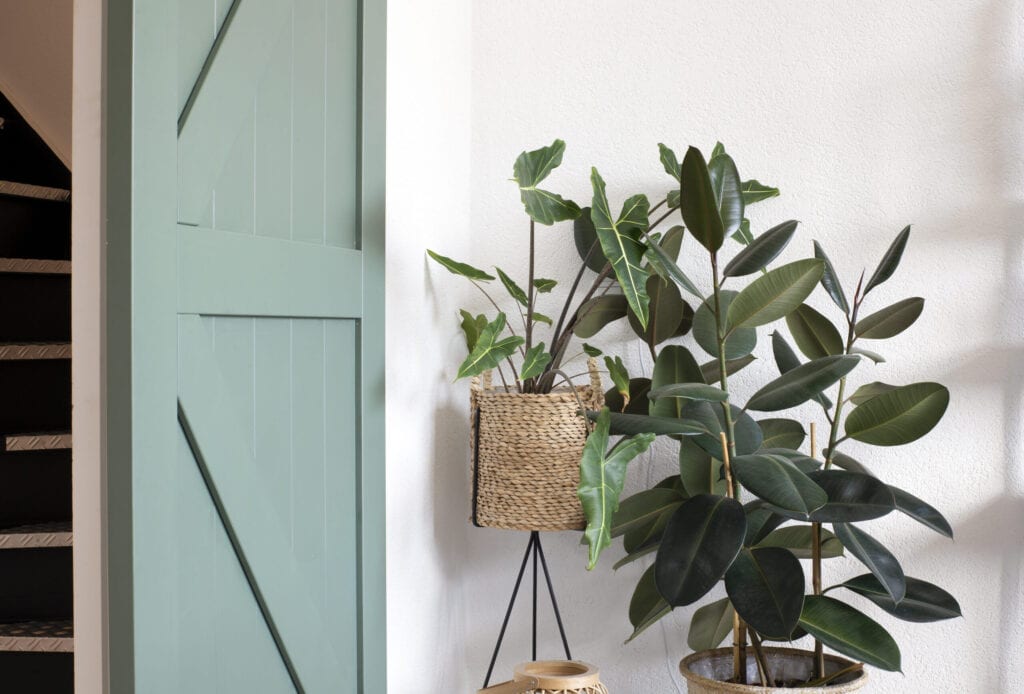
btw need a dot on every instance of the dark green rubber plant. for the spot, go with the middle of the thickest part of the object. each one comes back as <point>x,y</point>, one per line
<point>748,513</point>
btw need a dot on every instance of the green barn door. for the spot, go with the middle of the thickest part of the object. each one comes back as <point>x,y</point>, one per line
<point>245,312</point>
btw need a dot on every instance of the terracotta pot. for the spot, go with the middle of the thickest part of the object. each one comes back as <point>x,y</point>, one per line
<point>707,671</point>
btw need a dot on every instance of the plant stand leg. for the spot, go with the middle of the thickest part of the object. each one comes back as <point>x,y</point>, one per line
<point>534,550</point>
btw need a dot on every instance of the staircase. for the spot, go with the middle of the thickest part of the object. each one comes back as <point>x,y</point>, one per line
<point>36,634</point>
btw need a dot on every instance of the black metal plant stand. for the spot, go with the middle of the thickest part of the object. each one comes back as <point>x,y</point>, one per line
<point>532,547</point>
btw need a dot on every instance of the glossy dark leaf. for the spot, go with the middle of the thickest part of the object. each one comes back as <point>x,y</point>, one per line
<point>763,250</point>
<point>646,606</point>
<point>890,261</point>
<point>891,320</point>
<point>599,312</point>
<point>786,360</point>
<point>690,391</point>
<point>774,294</point>
<point>874,555</point>
<point>700,542</point>
<point>850,632</point>
<point>923,601</point>
<point>778,481</point>
<point>798,539</point>
<point>743,234</point>
<point>705,330</point>
<point>766,588</point>
<point>870,390</point>
<point>621,240</point>
<point>725,181</point>
<point>782,433</point>
<point>666,311</point>
<point>698,471</point>
<point>686,323</point>
<point>710,625</point>
<point>490,349</point>
<point>713,373</point>
<point>852,497</point>
<point>899,416</point>
<point>802,383</point>
<point>587,245</point>
<point>698,203</point>
<point>761,521</point>
<point>830,280</point>
<point>921,511</point>
<point>602,475</point>
<point>813,333</point>
<point>530,169</point>
<point>755,191</point>
<point>630,424</point>
<point>674,364</point>
<point>804,463</point>
<point>636,403</point>
<point>847,463</point>
<point>748,436</point>
<point>643,508</point>
<point>461,269</point>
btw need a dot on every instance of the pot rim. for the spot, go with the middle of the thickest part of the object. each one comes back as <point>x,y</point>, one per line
<point>684,668</point>
<point>559,674</point>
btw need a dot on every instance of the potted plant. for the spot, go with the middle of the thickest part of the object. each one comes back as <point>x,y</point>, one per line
<point>528,431</point>
<point>748,504</point>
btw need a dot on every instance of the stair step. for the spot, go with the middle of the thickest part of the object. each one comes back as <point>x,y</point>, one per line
<point>37,536</point>
<point>53,441</point>
<point>35,350</point>
<point>35,266</point>
<point>38,637</point>
<point>27,190</point>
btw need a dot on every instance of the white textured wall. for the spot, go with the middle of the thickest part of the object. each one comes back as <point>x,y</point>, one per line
<point>869,116</point>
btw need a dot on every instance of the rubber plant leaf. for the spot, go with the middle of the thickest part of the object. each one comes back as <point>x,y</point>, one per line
<point>830,280</point>
<point>621,241</point>
<point>725,181</point>
<point>849,631</point>
<point>599,312</point>
<point>786,360</point>
<point>461,269</point>
<point>774,294</point>
<point>875,556</point>
<point>852,497</point>
<point>799,385</point>
<point>921,511</point>
<point>663,263</point>
<point>529,170</point>
<point>587,245</point>
<point>899,416</point>
<point>782,433</point>
<point>814,333</point>
<point>923,601</point>
<point>674,364</point>
<point>699,544</point>
<point>646,606</point>
<point>779,482</point>
<point>710,625</point>
<point>602,475</point>
<point>762,250</point>
<point>705,329</point>
<point>890,261</point>
<point>666,312</point>
<point>891,320</point>
<point>766,587</point>
<point>489,350</point>
<point>698,203</point>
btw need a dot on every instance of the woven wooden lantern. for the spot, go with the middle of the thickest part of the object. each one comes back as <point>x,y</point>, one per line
<point>526,450</point>
<point>552,677</point>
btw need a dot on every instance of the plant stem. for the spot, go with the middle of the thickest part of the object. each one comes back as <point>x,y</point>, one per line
<point>559,346</point>
<point>661,219</point>
<point>762,662</point>
<point>572,294</point>
<point>530,294</point>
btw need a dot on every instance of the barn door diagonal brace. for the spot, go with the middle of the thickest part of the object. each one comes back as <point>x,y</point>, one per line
<point>536,551</point>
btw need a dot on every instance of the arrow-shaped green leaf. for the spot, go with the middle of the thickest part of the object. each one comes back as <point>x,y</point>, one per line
<point>489,351</point>
<point>534,361</point>
<point>530,169</point>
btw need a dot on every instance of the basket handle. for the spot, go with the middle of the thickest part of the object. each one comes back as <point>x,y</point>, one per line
<point>512,687</point>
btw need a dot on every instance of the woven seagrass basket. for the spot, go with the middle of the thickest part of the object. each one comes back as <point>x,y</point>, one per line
<point>526,454</point>
<point>706,672</point>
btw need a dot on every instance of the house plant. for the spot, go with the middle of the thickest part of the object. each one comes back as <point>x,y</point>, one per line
<point>747,504</point>
<point>527,433</point>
